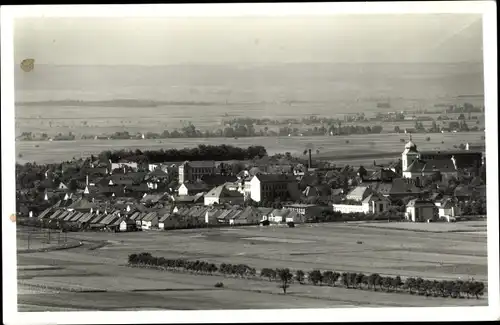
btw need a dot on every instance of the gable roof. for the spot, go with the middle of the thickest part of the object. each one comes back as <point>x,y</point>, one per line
<point>85,217</point>
<point>360,191</point>
<point>274,178</point>
<point>401,185</point>
<point>197,186</point>
<point>77,216</point>
<point>265,211</point>
<point>420,202</point>
<point>45,213</point>
<point>200,163</point>
<point>150,216</point>
<point>444,166</point>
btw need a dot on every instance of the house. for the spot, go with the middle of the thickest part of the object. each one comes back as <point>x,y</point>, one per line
<point>192,188</point>
<point>150,221</point>
<point>362,199</point>
<point>250,215</point>
<point>402,188</point>
<point>233,215</point>
<point>188,199</point>
<point>295,217</point>
<point>269,187</point>
<point>420,210</point>
<point>154,198</point>
<point>191,171</point>
<point>278,215</point>
<point>265,213</point>
<point>131,165</point>
<point>221,195</point>
<point>447,209</point>
<point>305,210</point>
<point>382,175</point>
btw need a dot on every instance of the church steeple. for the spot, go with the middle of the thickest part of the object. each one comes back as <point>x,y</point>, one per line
<point>410,154</point>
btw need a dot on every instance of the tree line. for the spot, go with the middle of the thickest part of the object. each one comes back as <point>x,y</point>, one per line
<point>349,280</point>
<point>201,152</point>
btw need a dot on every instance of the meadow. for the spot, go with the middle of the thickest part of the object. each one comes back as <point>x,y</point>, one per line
<point>352,149</point>
<point>432,255</point>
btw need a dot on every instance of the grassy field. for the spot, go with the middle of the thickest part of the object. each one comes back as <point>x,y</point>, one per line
<point>93,120</point>
<point>334,247</point>
<point>361,149</point>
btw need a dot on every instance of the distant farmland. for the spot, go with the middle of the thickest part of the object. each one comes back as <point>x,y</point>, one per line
<point>359,149</point>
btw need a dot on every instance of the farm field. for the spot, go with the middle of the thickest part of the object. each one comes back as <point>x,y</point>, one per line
<point>363,148</point>
<point>430,255</point>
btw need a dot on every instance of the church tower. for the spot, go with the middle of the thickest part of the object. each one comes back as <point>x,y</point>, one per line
<point>409,155</point>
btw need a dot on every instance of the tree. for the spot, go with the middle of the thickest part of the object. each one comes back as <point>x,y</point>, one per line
<point>299,276</point>
<point>315,277</point>
<point>268,273</point>
<point>328,278</point>
<point>286,277</point>
<point>397,129</point>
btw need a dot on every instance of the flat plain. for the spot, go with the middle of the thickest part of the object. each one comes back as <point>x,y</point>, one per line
<point>352,149</point>
<point>333,246</point>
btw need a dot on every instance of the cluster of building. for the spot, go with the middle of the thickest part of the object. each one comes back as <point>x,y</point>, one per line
<point>117,196</point>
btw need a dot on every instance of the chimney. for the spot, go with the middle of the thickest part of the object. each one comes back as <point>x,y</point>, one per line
<point>87,180</point>
<point>310,158</point>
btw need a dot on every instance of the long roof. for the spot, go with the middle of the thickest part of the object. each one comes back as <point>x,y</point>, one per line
<point>45,213</point>
<point>85,217</point>
<point>63,215</point>
<point>70,215</point>
<point>274,178</point>
<point>55,214</point>
<point>201,163</point>
<point>77,216</point>
<point>150,216</point>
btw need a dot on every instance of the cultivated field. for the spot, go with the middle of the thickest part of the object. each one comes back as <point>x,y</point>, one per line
<point>324,246</point>
<point>361,149</point>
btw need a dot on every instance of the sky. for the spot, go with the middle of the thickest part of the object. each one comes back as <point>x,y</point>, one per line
<point>418,38</point>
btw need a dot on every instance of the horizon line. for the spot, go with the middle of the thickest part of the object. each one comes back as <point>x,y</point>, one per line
<point>247,63</point>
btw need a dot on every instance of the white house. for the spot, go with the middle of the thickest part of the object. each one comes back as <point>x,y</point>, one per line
<point>221,195</point>
<point>268,187</point>
<point>447,209</point>
<point>132,165</point>
<point>127,225</point>
<point>363,199</point>
<point>418,210</point>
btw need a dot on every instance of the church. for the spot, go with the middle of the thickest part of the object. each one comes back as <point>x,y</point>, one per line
<point>416,165</point>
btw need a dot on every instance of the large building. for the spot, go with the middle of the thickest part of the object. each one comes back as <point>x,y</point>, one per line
<point>416,165</point>
<point>268,187</point>
<point>191,171</point>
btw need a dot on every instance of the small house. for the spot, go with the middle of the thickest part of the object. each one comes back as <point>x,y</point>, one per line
<point>127,225</point>
<point>150,221</point>
<point>419,210</point>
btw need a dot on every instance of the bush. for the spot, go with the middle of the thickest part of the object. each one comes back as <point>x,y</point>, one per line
<point>428,139</point>
<point>219,285</point>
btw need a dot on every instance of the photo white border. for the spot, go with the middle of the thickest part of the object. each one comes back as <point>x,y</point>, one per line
<point>10,314</point>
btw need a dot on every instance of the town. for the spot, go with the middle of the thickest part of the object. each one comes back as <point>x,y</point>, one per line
<point>97,194</point>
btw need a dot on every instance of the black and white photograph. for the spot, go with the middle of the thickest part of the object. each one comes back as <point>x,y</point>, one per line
<point>249,159</point>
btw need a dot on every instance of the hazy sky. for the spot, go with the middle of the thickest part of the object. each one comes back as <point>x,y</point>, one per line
<point>154,41</point>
